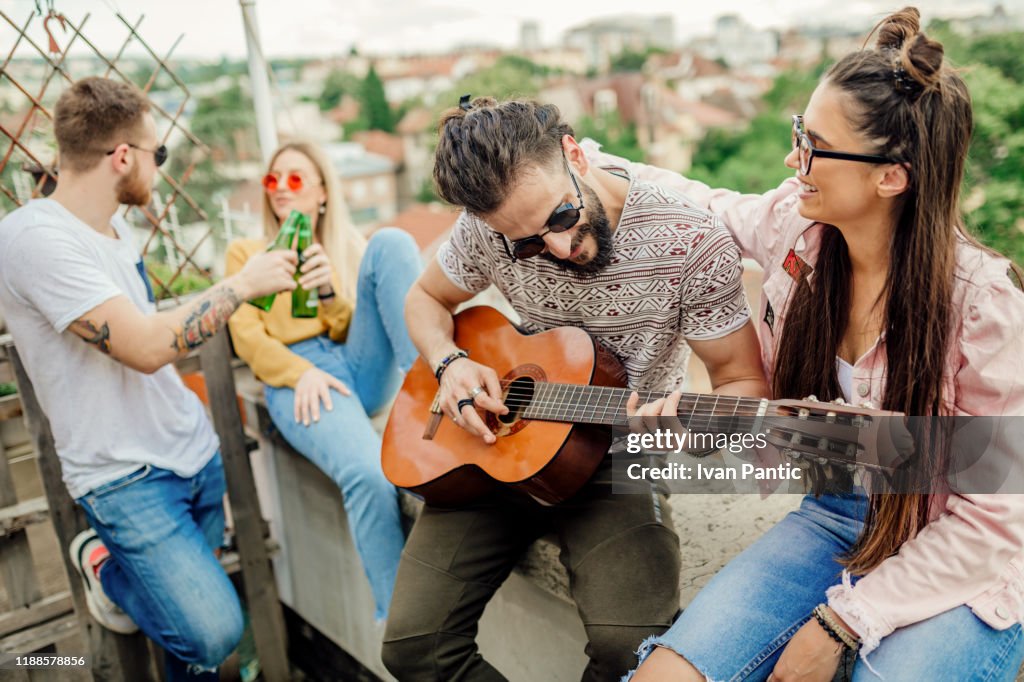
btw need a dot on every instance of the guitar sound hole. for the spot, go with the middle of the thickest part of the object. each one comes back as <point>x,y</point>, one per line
<point>517,399</point>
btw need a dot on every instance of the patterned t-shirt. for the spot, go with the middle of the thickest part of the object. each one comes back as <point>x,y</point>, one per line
<point>676,274</point>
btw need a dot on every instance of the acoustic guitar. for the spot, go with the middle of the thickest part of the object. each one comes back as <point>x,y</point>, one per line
<point>565,393</point>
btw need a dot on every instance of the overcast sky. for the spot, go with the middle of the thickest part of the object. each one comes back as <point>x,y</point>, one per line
<point>213,28</point>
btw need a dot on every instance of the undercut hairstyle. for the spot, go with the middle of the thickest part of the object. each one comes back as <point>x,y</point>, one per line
<point>484,150</point>
<point>95,115</point>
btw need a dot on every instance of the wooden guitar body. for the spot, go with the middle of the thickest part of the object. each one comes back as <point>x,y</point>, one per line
<point>549,460</point>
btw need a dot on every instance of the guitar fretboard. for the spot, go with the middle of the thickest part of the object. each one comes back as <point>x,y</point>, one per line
<point>607,406</point>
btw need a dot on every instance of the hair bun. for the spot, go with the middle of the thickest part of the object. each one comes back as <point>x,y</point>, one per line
<point>897,28</point>
<point>922,59</point>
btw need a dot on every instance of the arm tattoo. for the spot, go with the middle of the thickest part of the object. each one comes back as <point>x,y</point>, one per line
<point>97,337</point>
<point>207,317</point>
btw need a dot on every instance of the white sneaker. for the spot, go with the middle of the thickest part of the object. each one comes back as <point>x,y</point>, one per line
<point>87,552</point>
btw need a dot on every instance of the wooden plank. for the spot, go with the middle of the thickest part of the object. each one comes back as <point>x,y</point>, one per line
<point>67,519</point>
<point>36,613</point>
<point>16,567</point>
<point>10,407</point>
<point>19,451</point>
<point>116,657</point>
<point>231,562</point>
<point>15,518</point>
<point>35,638</point>
<point>260,589</point>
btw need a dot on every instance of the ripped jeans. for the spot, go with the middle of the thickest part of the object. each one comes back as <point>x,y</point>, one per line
<point>738,625</point>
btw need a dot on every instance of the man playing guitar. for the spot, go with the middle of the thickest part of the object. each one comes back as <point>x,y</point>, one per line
<point>648,276</point>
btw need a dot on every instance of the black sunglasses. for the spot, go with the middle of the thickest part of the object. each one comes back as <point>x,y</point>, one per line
<point>807,151</point>
<point>562,218</point>
<point>159,154</point>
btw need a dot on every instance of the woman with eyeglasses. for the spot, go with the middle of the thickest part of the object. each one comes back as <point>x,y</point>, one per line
<point>873,293</point>
<point>325,376</point>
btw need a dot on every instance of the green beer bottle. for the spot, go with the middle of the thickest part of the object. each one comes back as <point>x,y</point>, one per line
<point>305,302</point>
<point>284,239</point>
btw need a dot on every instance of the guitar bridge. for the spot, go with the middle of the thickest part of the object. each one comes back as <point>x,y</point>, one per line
<point>436,414</point>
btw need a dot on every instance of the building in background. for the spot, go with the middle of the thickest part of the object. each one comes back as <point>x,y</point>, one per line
<point>602,39</point>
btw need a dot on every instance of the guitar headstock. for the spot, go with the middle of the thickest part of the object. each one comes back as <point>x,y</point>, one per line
<point>838,433</point>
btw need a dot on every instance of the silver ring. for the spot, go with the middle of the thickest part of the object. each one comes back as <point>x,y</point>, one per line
<point>475,392</point>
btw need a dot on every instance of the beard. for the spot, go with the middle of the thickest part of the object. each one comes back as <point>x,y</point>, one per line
<point>132,191</point>
<point>596,226</point>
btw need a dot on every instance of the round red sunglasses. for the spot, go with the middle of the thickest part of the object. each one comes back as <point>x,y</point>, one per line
<point>271,181</point>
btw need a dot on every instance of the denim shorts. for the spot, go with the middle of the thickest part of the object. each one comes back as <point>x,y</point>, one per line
<point>738,625</point>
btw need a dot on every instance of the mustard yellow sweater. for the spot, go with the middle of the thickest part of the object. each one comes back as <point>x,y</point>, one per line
<point>262,338</point>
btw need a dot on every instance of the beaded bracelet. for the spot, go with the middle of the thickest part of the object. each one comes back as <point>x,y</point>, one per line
<point>449,359</point>
<point>835,631</point>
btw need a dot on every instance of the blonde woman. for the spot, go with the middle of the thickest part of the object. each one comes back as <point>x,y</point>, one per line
<point>326,375</point>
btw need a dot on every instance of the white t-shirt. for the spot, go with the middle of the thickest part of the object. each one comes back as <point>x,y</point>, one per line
<point>107,419</point>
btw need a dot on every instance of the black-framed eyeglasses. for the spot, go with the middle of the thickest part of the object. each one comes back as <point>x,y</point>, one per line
<point>159,154</point>
<point>561,219</point>
<point>807,151</point>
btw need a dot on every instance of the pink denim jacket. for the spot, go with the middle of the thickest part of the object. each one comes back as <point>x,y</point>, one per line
<point>972,551</point>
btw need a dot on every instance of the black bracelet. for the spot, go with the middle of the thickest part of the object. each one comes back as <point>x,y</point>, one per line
<point>828,628</point>
<point>449,359</point>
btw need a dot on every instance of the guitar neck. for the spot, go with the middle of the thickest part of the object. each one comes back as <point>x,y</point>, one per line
<point>704,412</point>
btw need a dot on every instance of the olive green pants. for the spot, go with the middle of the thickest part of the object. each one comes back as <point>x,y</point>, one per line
<point>621,552</point>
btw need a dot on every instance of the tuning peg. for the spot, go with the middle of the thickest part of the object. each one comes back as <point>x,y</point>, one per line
<point>803,413</point>
<point>812,398</point>
<point>867,405</point>
<point>839,401</point>
<point>830,417</point>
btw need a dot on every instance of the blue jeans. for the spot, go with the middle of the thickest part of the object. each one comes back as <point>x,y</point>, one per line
<point>738,625</point>
<point>343,444</point>
<point>161,531</point>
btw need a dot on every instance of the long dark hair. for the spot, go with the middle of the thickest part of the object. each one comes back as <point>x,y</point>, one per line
<point>916,109</point>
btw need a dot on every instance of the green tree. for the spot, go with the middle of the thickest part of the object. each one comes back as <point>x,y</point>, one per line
<point>632,60</point>
<point>226,122</point>
<point>376,111</point>
<point>337,84</point>
<point>616,136</point>
<point>995,178</point>
<point>1004,51</point>
<point>752,160</point>
<point>510,76</point>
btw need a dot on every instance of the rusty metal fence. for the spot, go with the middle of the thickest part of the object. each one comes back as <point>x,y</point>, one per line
<point>172,227</point>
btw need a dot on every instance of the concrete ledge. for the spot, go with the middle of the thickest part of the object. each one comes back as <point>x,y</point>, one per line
<point>525,632</point>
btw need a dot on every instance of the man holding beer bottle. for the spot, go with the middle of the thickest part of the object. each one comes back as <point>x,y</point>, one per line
<point>136,448</point>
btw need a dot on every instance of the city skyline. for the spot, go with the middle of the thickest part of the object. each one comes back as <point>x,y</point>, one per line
<point>412,26</point>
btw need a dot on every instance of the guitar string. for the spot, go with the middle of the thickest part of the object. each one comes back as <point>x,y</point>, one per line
<point>548,402</point>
